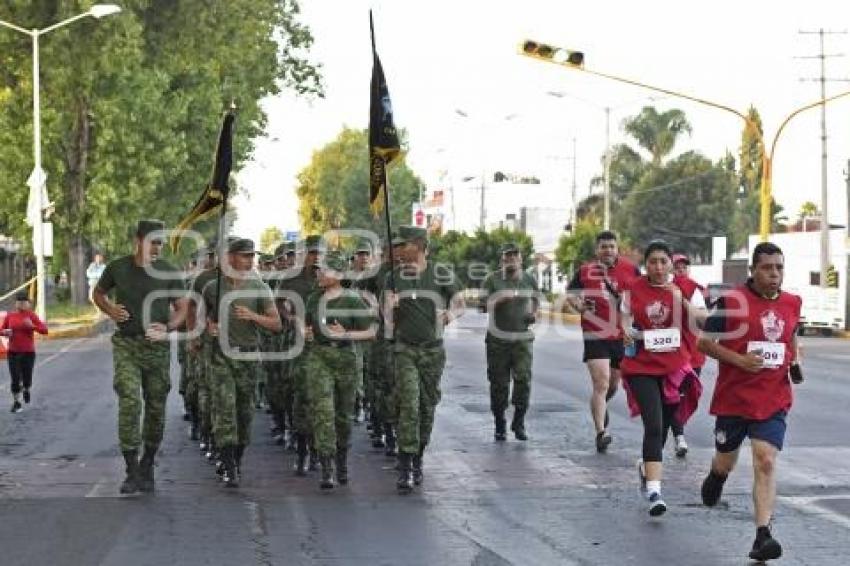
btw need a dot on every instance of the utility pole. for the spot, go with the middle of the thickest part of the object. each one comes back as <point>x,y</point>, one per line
<point>824,192</point>
<point>606,214</point>
<point>574,188</point>
<point>483,192</point>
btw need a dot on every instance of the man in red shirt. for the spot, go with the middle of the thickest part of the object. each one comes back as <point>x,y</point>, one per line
<point>595,293</point>
<point>19,326</point>
<point>753,334</point>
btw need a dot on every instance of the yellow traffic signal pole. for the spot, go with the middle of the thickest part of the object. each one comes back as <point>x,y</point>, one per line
<point>575,60</point>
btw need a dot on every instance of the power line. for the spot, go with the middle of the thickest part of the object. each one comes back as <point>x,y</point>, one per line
<point>824,193</point>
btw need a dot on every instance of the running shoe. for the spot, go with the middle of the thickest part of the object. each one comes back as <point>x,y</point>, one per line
<point>603,440</point>
<point>766,548</point>
<point>712,488</point>
<point>26,396</point>
<point>16,407</point>
<point>681,447</point>
<point>657,507</point>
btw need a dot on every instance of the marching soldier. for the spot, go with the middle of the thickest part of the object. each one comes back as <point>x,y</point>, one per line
<point>424,300</point>
<point>243,305</point>
<point>140,348</point>
<point>335,319</point>
<point>300,286</point>
<point>511,300</point>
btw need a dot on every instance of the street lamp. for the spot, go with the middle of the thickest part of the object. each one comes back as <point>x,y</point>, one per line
<point>38,178</point>
<point>544,52</point>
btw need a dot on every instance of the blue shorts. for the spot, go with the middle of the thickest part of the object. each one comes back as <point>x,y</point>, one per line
<point>730,432</point>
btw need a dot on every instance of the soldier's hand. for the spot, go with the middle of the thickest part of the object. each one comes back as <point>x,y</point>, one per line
<point>244,313</point>
<point>336,330</point>
<point>119,313</point>
<point>212,328</point>
<point>751,362</point>
<point>156,332</point>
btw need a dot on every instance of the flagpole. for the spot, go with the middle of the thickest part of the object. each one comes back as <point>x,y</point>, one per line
<point>386,183</point>
<point>222,228</point>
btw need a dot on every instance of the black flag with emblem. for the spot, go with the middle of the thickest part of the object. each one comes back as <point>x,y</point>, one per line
<point>215,193</point>
<point>383,137</point>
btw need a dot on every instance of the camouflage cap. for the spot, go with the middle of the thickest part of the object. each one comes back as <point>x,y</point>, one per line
<point>280,251</point>
<point>314,243</point>
<point>364,245</point>
<point>411,233</point>
<point>145,227</point>
<point>508,248</point>
<point>266,258</point>
<point>241,246</point>
<point>335,260</point>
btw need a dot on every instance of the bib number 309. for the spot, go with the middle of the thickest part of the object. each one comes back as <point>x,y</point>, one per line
<point>662,339</point>
<point>772,353</point>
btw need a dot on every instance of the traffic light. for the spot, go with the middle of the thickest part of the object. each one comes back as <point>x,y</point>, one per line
<point>552,54</point>
<point>832,277</point>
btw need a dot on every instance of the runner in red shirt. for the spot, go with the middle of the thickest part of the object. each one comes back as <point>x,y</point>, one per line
<point>656,367</point>
<point>595,293</point>
<point>694,293</point>
<point>19,326</point>
<point>752,332</point>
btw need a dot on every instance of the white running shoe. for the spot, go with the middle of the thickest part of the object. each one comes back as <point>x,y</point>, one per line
<point>657,507</point>
<point>681,447</point>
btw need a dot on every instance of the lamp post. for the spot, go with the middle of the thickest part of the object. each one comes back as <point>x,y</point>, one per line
<point>38,178</point>
<point>575,60</point>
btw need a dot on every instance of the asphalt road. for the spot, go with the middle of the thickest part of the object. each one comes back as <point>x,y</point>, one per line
<point>551,500</point>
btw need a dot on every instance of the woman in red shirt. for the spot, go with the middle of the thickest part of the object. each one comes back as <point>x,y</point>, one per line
<point>20,326</point>
<point>657,368</point>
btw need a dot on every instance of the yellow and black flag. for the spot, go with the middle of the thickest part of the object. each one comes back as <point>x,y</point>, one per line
<point>215,193</point>
<point>383,137</point>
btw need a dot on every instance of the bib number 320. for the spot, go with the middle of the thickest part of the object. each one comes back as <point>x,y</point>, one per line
<point>662,339</point>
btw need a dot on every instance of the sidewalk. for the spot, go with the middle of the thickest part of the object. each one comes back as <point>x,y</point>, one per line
<point>77,327</point>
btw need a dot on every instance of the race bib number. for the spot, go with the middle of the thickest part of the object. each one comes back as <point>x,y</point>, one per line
<point>772,353</point>
<point>662,339</point>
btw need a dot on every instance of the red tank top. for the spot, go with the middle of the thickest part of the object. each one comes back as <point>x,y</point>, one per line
<point>601,287</point>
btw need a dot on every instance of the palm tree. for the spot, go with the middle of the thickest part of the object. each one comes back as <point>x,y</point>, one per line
<point>657,132</point>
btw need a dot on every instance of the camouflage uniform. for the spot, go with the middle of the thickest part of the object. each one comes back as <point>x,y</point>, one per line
<point>509,341</point>
<point>141,367</point>
<point>204,344</point>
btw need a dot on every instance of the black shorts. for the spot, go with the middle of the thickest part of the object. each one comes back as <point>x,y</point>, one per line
<point>597,349</point>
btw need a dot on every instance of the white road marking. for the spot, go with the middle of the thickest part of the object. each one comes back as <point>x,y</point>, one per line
<point>810,506</point>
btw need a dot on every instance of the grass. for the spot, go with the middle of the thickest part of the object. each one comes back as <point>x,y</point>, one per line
<point>57,312</point>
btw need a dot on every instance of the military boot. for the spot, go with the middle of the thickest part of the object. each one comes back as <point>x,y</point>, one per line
<point>418,476</point>
<point>501,427</point>
<point>405,473</point>
<point>228,458</point>
<point>146,474</point>
<point>342,465</point>
<point>301,460</point>
<point>130,483</point>
<point>389,435</point>
<point>518,424</point>
<point>238,452</point>
<point>327,481</point>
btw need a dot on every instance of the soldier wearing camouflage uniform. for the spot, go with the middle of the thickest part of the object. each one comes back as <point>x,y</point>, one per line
<point>360,265</point>
<point>335,319</point>
<point>276,386</point>
<point>140,348</point>
<point>232,378</point>
<point>201,347</point>
<point>426,298</point>
<point>300,287</point>
<point>267,338</point>
<point>510,296</point>
<point>188,387</point>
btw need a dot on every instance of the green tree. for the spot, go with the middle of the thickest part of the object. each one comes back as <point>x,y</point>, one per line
<point>473,256</point>
<point>578,247</point>
<point>131,106</point>
<point>333,189</point>
<point>685,202</point>
<point>270,238</point>
<point>657,132</point>
<point>807,210</point>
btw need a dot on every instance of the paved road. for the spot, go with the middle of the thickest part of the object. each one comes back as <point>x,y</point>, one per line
<point>551,500</point>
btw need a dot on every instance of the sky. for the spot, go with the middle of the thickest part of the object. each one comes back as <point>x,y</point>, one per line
<point>443,56</point>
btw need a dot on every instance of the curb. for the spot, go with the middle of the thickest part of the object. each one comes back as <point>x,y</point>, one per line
<point>76,330</point>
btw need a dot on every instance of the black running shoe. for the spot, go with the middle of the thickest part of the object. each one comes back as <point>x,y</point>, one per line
<point>16,407</point>
<point>603,440</point>
<point>767,548</point>
<point>712,488</point>
<point>26,396</point>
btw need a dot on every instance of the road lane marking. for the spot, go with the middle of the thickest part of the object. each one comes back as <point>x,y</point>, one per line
<point>809,505</point>
<point>63,350</point>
